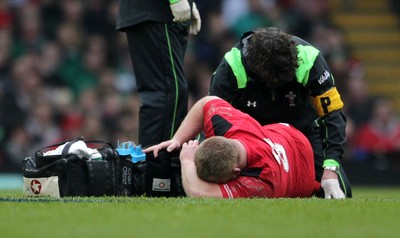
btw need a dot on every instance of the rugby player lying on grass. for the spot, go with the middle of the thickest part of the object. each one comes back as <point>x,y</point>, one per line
<point>240,158</point>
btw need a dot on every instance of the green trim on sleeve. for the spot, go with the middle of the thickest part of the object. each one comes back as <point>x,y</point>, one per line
<point>173,1</point>
<point>306,58</point>
<point>234,59</point>
<point>330,162</point>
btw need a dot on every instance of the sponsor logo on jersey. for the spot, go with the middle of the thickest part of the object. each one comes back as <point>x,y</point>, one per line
<point>251,103</point>
<point>324,77</point>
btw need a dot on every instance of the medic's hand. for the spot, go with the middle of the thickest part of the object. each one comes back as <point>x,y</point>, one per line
<point>170,145</point>
<point>195,25</point>
<point>330,185</point>
<point>180,9</point>
<point>332,189</point>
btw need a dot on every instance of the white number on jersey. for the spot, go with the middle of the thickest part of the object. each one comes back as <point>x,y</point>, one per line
<point>279,154</point>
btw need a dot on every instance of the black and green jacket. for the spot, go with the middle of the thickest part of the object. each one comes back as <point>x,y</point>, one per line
<point>310,99</point>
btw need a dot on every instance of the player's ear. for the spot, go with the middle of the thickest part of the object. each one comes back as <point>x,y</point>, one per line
<point>236,171</point>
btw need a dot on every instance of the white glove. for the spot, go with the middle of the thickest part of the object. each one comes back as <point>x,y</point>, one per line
<point>180,10</point>
<point>332,189</point>
<point>195,25</point>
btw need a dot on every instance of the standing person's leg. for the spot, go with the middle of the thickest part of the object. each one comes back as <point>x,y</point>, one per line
<point>157,51</point>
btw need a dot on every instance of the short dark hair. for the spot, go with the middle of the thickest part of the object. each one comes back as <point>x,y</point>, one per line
<point>215,159</point>
<point>271,55</point>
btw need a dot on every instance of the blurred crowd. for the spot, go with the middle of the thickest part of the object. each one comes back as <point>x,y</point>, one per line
<point>65,71</point>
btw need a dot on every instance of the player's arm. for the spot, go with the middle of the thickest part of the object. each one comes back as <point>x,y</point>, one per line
<point>192,184</point>
<point>193,123</point>
<point>191,126</point>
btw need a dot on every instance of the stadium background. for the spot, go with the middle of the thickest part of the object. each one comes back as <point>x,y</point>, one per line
<point>65,71</point>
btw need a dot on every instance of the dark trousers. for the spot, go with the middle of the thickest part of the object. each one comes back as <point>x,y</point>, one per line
<point>157,51</point>
<point>316,143</point>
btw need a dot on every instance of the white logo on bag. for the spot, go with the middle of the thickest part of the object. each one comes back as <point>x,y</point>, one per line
<point>45,186</point>
<point>36,186</point>
<point>162,185</point>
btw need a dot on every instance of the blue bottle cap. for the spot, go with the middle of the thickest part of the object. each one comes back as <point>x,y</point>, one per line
<point>130,148</point>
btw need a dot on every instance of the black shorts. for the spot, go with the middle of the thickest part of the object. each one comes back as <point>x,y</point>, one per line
<point>157,51</point>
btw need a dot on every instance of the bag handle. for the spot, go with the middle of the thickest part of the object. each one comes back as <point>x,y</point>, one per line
<point>99,142</point>
<point>64,152</point>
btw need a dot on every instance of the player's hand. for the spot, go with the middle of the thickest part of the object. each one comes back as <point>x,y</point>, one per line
<point>170,145</point>
<point>195,25</point>
<point>181,10</point>
<point>188,150</point>
<point>332,188</point>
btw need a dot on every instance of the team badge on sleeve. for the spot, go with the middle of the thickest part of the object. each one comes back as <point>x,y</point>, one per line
<point>328,102</point>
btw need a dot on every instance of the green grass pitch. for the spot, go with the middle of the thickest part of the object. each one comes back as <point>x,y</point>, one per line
<point>373,212</point>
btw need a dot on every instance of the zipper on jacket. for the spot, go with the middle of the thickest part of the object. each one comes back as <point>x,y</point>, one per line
<point>273,95</point>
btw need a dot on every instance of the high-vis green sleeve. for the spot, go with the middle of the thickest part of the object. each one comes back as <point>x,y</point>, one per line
<point>234,59</point>
<point>306,57</point>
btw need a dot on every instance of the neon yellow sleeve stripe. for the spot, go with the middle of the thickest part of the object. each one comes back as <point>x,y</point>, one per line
<point>234,59</point>
<point>173,1</point>
<point>330,162</point>
<point>306,56</point>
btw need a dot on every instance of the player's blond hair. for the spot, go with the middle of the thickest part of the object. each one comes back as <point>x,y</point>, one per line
<point>215,159</point>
